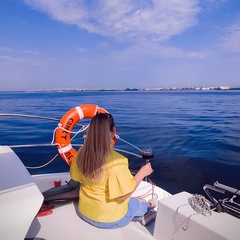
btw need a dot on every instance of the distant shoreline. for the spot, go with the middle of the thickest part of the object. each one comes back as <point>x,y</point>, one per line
<point>125,90</point>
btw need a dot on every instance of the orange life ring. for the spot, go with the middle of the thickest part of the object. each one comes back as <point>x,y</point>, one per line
<point>66,124</point>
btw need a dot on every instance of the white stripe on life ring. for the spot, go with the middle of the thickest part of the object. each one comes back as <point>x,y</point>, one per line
<point>80,112</point>
<point>65,149</point>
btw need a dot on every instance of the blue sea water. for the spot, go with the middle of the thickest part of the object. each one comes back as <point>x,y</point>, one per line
<point>195,136</point>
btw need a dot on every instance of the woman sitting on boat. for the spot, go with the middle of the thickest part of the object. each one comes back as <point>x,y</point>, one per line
<point>106,181</point>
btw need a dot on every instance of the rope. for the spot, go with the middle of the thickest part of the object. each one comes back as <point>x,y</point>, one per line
<point>44,165</point>
<point>53,143</point>
<point>31,145</point>
<point>28,116</point>
<point>200,204</point>
<point>149,192</point>
<point>118,137</point>
<point>57,144</point>
<point>83,128</point>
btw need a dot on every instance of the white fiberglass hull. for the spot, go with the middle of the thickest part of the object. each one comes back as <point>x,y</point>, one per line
<point>21,199</point>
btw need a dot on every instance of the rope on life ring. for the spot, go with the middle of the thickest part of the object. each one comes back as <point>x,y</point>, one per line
<point>66,124</point>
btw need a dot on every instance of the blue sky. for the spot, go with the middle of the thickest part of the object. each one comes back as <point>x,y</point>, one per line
<point>104,44</point>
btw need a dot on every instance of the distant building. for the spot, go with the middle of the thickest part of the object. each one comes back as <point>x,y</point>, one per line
<point>224,87</point>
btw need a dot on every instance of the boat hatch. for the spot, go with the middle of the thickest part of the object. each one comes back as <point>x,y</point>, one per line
<point>20,198</point>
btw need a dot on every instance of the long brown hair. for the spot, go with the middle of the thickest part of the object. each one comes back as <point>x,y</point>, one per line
<point>92,156</point>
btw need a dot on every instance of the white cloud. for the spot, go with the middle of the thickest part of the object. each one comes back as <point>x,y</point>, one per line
<point>134,20</point>
<point>140,51</point>
<point>232,37</point>
<point>31,52</point>
<point>5,49</point>
<point>12,59</point>
<point>22,61</point>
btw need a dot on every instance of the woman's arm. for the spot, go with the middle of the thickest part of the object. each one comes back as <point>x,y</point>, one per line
<point>142,173</point>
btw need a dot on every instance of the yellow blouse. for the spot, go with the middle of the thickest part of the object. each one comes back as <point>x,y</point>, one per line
<point>99,200</point>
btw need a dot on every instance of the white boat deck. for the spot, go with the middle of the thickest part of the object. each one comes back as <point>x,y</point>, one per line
<point>64,222</point>
<point>21,199</point>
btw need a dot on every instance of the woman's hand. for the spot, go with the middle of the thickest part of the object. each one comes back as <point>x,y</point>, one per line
<point>146,169</point>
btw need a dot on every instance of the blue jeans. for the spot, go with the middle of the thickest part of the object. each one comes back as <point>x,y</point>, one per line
<point>136,209</point>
